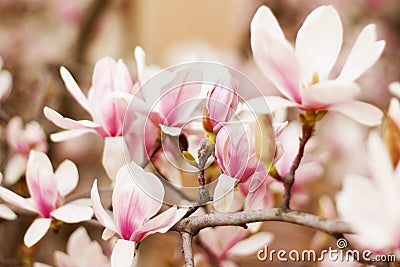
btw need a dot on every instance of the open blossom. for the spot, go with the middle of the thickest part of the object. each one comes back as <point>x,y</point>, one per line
<point>81,252</point>
<point>226,242</point>
<point>220,105</point>
<point>301,73</point>
<point>371,205</point>
<point>22,140</point>
<point>5,81</point>
<point>134,208</point>
<point>47,189</point>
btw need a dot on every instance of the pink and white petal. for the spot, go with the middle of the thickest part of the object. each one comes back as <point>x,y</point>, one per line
<point>251,244</point>
<point>67,177</point>
<point>62,260</point>
<point>265,19</point>
<point>6,213</point>
<point>361,112</point>
<point>308,172</point>
<point>324,94</point>
<point>114,153</point>
<point>103,79</point>
<point>15,168</point>
<point>36,231</point>
<point>123,254</point>
<point>39,264</point>
<point>72,213</point>
<point>102,216</point>
<point>318,42</point>
<point>365,52</point>
<point>70,134</point>
<point>123,80</point>
<point>277,61</point>
<point>67,123</point>
<point>224,193</point>
<point>74,89</point>
<point>16,200</point>
<point>78,240</point>
<point>161,223</point>
<point>289,140</point>
<point>269,104</point>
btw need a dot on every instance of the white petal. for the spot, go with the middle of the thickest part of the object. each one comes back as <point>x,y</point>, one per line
<point>123,253</point>
<point>394,88</point>
<point>269,104</point>
<point>39,264</point>
<point>171,130</point>
<point>223,193</point>
<point>5,84</point>
<point>318,42</point>
<point>113,155</point>
<point>361,112</point>
<point>265,18</point>
<point>67,123</point>
<point>102,216</point>
<point>74,89</point>
<point>251,244</point>
<point>107,234</point>
<point>16,200</point>
<point>7,213</point>
<point>15,168</point>
<point>72,213</point>
<point>36,231</point>
<point>67,177</point>
<point>70,134</point>
<point>364,54</point>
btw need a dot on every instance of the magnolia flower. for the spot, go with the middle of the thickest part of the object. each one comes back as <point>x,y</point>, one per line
<point>81,252</point>
<point>133,209</point>
<point>108,113</point>
<point>22,140</point>
<point>301,73</point>
<point>372,205</point>
<point>5,212</point>
<point>220,105</point>
<point>225,242</point>
<point>47,189</point>
<point>5,82</point>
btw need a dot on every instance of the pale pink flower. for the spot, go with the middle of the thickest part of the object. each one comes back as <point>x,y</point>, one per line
<point>5,82</point>
<point>227,242</point>
<point>22,140</point>
<point>81,252</point>
<point>220,104</point>
<point>134,208</point>
<point>47,189</point>
<point>301,73</point>
<point>372,205</point>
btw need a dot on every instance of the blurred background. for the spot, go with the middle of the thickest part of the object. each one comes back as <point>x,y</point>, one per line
<point>39,36</point>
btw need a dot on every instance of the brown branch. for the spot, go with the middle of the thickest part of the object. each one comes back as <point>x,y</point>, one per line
<point>194,224</point>
<point>187,249</point>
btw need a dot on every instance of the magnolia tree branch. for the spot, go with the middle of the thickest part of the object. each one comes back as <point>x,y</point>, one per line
<point>187,249</point>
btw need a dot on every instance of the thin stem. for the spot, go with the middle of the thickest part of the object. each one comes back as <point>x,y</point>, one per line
<point>187,249</point>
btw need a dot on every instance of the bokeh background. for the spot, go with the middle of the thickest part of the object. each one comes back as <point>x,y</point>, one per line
<point>39,36</point>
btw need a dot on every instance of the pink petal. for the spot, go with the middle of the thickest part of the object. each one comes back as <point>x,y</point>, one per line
<point>159,224</point>
<point>123,80</point>
<point>67,123</point>
<point>365,52</point>
<point>74,89</point>
<point>102,216</point>
<point>36,231</point>
<point>6,213</point>
<point>42,183</point>
<point>72,213</point>
<point>15,168</point>
<point>16,200</point>
<point>123,254</point>
<point>318,42</point>
<point>103,79</point>
<point>361,112</point>
<point>114,153</point>
<point>251,244</point>
<point>223,193</point>
<point>67,177</point>
<point>324,94</point>
<point>290,143</point>
<point>274,55</point>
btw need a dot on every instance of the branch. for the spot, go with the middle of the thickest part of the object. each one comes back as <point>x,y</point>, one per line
<point>194,224</point>
<point>187,249</point>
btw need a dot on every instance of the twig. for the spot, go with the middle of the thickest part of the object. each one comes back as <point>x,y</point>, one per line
<point>187,249</point>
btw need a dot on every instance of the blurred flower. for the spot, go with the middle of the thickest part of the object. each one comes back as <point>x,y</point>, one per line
<point>392,125</point>
<point>5,82</point>
<point>133,209</point>
<point>47,189</point>
<point>81,252</point>
<point>371,206</point>
<point>225,242</point>
<point>22,140</point>
<point>5,212</point>
<point>301,73</point>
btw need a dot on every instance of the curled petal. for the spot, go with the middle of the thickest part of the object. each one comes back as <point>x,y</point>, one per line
<point>36,231</point>
<point>67,123</point>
